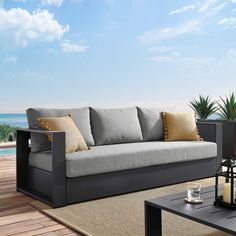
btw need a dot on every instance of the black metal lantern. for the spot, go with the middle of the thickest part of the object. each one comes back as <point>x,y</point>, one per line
<point>225,193</point>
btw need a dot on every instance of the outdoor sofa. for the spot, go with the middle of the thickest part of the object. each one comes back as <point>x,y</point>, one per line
<point>127,153</point>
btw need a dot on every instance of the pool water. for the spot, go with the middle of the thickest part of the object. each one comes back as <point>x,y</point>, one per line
<point>17,120</point>
<point>7,151</point>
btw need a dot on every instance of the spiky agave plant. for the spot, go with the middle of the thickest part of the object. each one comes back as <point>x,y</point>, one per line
<point>227,110</point>
<point>203,106</point>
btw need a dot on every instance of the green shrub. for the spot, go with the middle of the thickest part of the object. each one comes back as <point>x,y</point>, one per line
<point>227,109</point>
<point>203,107</point>
<point>7,133</point>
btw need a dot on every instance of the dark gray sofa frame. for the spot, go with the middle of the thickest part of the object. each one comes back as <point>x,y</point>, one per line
<point>55,189</point>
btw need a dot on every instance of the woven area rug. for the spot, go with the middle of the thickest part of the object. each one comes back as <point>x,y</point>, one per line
<point>123,215</point>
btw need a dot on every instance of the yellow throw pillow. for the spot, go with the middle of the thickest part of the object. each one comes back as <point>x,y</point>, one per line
<point>180,126</point>
<point>74,139</point>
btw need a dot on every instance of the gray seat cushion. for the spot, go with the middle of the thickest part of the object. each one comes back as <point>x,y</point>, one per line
<point>80,116</point>
<point>108,158</point>
<point>151,123</point>
<point>111,126</point>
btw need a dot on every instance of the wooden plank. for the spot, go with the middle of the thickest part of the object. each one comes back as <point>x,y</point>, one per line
<point>21,227</point>
<point>48,234</point>
<point>6,220</point>
<point>17,217</point>
<point>40,231</point>
<point>65,232</point>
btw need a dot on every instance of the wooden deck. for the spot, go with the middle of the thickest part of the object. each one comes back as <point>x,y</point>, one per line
<point>17,217</point>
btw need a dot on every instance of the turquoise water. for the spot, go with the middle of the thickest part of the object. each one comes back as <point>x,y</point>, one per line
<point>17,120</point>
<point>7,151</point>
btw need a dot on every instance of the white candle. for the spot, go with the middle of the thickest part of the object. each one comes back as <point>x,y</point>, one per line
<point>227,193</point>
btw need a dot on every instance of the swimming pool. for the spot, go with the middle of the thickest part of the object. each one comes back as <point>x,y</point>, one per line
<point>7,151</point>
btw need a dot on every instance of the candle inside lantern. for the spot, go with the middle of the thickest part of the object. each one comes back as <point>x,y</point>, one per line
<point>227,193</point>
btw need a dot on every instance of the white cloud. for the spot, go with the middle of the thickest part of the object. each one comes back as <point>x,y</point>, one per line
<point>211,7</point>
<point>214,70</point>
<point>189,66</point>
<point>208,10</point>
<point>176,54</point>
<point>197,61</point>
<point>175,57</point>
<point>218,8</point>
<point>166,58</point>
<point>22,1</point>
<point>27,75</point>
<point>11,59</point>
<point>19,27</point>
<point>162,59</point>
<point>228,23</point>
<point>158,35</point>
<point>52,2</point>
<point>166,30</point>
<point>79,2</point>
<point>182,9</point>
<point>160,49</point>
<point>206,5</point>
<point>70,47</point>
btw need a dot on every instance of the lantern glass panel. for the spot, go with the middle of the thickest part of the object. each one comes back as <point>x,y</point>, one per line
<point>221,182</point>
<point>229,187</point>
<point>225,194</point>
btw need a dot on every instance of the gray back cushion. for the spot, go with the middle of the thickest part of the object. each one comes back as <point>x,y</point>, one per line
<point>151,123</point>
<point>80,116</point>
<point>110,126</point>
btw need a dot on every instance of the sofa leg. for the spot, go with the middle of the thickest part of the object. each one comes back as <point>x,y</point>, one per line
<point>58,170</point>
<point>22,153</point>
<point>58,202</point>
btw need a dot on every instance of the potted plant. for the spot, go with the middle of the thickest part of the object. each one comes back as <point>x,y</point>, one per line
<point>225,109</point>
<point>203,107</point>
<point>227,114</point>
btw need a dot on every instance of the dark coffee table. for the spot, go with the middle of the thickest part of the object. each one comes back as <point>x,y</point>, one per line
<point>205,213</point>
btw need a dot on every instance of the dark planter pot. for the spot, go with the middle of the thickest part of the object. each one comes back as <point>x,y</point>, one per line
<point>228,137</point>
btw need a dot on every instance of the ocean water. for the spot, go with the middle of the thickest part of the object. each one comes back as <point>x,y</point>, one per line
<point>17,120</point>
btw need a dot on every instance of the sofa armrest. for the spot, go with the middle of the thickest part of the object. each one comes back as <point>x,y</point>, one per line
<point>37,131</point>
<point>58,161</point>
<point>212,132</point>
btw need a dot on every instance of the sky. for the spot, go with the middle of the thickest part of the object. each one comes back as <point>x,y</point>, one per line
<point>111,53</point>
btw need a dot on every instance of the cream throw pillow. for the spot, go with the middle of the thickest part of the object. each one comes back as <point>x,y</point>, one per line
<point>74,139</point>
<point>180,126</point>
